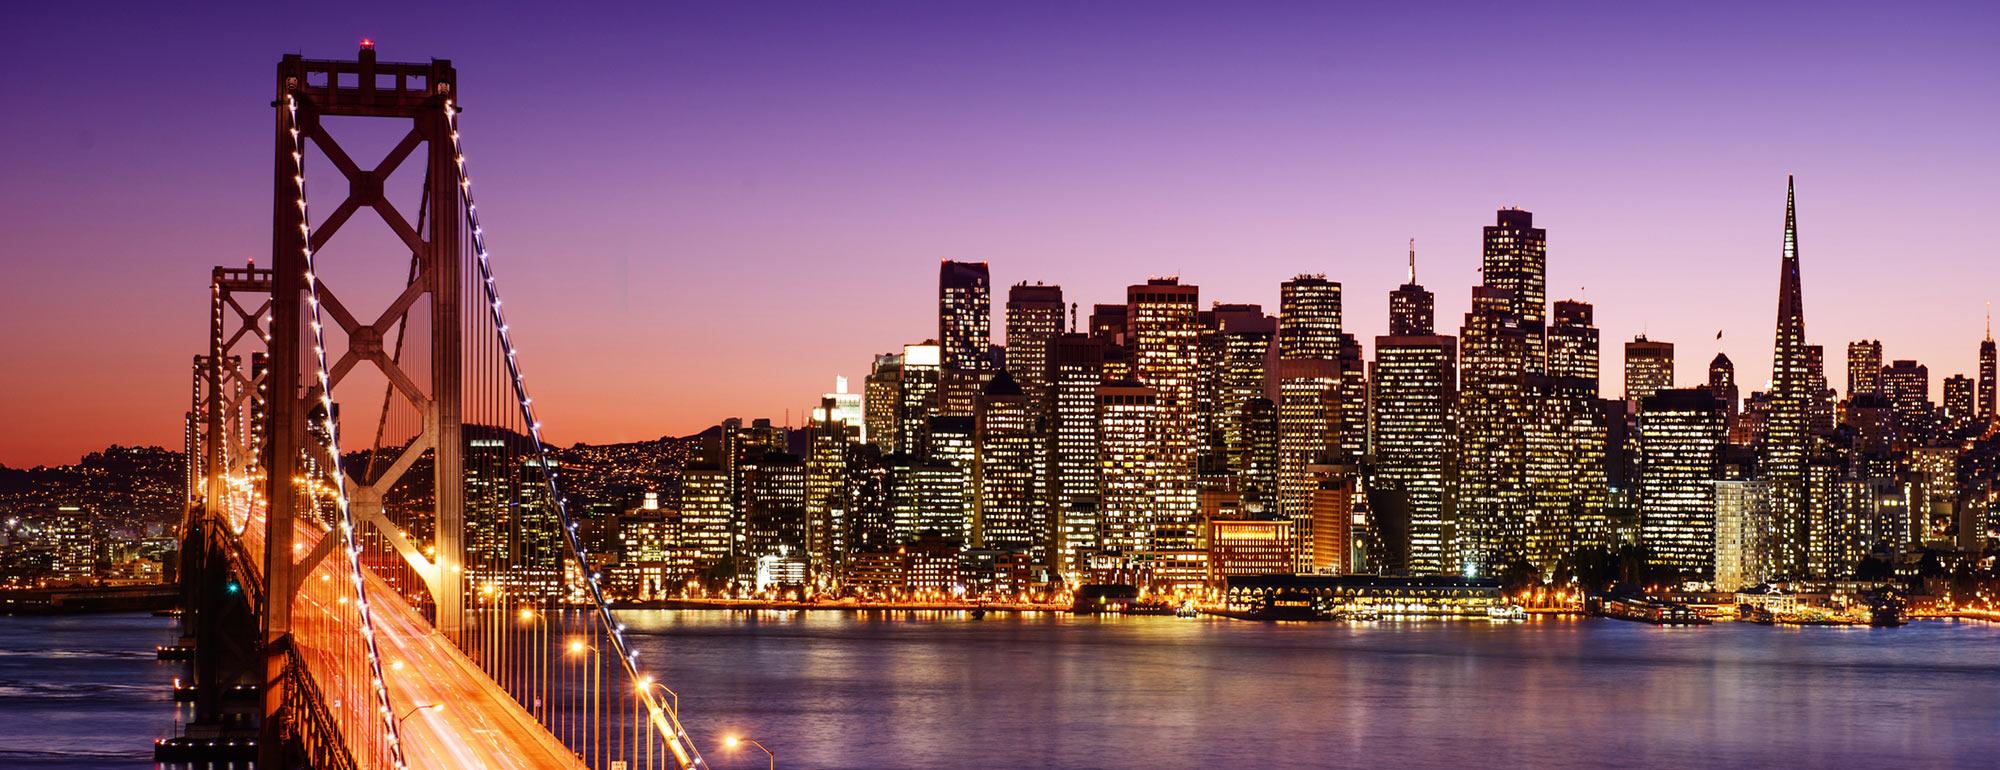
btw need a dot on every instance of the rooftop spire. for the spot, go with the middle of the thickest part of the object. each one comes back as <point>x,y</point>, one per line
<point>1413,267</point>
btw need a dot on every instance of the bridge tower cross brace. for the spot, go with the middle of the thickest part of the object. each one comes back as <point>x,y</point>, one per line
<point>416,94</point>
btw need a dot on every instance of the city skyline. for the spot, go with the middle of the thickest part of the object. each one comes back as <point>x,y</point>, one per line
<point>1301,169</point>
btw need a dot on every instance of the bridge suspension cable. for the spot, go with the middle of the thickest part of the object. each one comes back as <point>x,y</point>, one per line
<point>351,550</point>
<point>660,718</point>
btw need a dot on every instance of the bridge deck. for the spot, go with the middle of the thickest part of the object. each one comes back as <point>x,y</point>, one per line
<point>480,725</point>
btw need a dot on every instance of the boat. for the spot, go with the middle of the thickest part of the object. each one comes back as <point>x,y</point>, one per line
<point>1506,612</point>
<point>1658,612</point>
<point>1188,610</point>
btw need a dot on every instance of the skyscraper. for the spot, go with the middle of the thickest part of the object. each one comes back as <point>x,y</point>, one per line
<point>1516,261</point>
<point>1722,384</point>
<point>1078,371</point>
<point>1309,318</point>
<point>1786,427</point>
<point>1008,514</point>
<point>1565,438</point>
<point>1864,368</point>
<point>1034,318</point>
<point>1649,368</point>
<point>1986,372</point>
<point>1414,384</point>
<point>1908,386</point>
<point>1412,308</point>
<point>1161,329</point>
<point>1958,409</point>
<point>882,400</point>
<point>1680,440</point>
<point>965,315</point>
<point>1308,434</point>
<point>826,506</point>
<point>1130,465</point>
<point>919,398</point>
<point>1492,404</point>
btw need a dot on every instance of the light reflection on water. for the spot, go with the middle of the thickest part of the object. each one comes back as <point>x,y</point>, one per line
<point>936,689</point>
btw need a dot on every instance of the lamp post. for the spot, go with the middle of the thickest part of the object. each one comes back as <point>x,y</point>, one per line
<point>413,712</point>
<point>733,742</point>
<point>540,660</point>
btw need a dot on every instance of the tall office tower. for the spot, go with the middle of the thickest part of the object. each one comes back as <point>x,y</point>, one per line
<point>1107,323</point>
<point>774,500</point>
<point>1722,384</point>
<point>881,399</point>
<point>1256,458</point>
<point>1574,351</point>
<point>707,513</point>
<point>1034,318</point>
<point>1787,426</point>
<point>1351,429</point>
<point>1934,494</point>
<point>1649,368</point>
<point>1008,510</point>
<point>1958,410</point>
<point>1308,435</point>
<point>1834,532</point>
<point>871,522</point>
<point>1565,437</point>
<point>1820,417</point>
<point>70,532</point>
<point>1864,367</point>
<point>826,490</point>
<point>1492,405</point>
<point>1986,372</point>
<point>1516,261</point>
<point>952,441</point>
<point>1161,329</point>
<point>965,316</point>
<point>1412,308</point>
<point>1414,387</point>
<point>1130,466</point>
<point>1742,534</point>
<point>927,500</point>
<point>1680,442</point>
<point>1309,318</point>
<point>919,398</point>
<point>1908,386</point>
<point>1247,334</point>
<point>1078,371</point>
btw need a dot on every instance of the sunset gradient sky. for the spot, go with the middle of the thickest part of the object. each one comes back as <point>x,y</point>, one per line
<point>711,210</point>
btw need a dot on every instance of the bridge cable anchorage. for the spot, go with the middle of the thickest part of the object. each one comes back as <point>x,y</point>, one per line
<point>339,487</point>
<point>663,718</point>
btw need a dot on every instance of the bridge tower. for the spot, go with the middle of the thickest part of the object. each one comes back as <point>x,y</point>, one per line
<point>414,94</point>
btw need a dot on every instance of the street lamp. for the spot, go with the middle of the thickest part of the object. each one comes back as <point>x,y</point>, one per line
<point>412,712</point>
<point>733,742</point>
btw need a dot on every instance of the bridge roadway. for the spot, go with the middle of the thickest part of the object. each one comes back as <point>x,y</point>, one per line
<point>479,725</point>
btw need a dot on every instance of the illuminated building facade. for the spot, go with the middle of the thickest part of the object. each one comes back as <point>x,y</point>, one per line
<point>1864,368</point>
<point>1248,547</point>
<point>1787,434</point>
<point>1008,510</point>
<point>1680,442</point>
<point>1492,405</point>
<point>1515,261</point>
<point>1161,327</point>
<point>1742,533</point>
<point>1074,463</point>
<point>1034,320</point>
<point>882,401</point>
<point>965,316</point>
<point>919,398</point>
<point>1131,466</point>
<point>1309,318</point>
<point>1649,368</point>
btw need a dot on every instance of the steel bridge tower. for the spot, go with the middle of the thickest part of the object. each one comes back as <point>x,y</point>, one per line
<point>415,94</point>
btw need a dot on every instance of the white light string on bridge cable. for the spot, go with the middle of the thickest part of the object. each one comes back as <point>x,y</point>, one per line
<point>677,737</point>
<point>353,550</point>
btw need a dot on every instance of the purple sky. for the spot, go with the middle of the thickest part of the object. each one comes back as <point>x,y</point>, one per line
<point>707,212</point>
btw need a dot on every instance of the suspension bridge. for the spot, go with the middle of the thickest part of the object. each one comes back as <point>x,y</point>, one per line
<point>379,566</point>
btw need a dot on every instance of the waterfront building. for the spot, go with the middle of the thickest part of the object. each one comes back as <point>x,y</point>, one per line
<point>965,316</point>
<point>70,532</point>
<point>1742,533</point>
<point>1649,368</point>
<point>1369,595</point>
<point>1680,441</point>
<point>1248,547</point>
